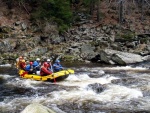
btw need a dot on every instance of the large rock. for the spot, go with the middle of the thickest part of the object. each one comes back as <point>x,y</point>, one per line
<point>104,57</point>
<point>37,108</point>
<point>123,58</point>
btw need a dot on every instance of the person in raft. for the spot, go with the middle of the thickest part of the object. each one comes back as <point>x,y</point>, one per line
<point>50,68</point>
<point>57,66</point>
<point>20,63</point>
<point>29,68</point>
<point>37,64</point>
<point>44,69</point>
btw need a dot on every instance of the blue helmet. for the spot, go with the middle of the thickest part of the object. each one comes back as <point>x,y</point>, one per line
<point>57,61</point>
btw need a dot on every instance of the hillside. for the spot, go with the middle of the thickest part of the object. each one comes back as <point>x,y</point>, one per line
<point>109,15</point>
<point>133,17</point>
<point>86,38</point>
<point>9,16</point>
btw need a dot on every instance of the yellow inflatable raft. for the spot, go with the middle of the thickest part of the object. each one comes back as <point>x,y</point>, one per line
<point>58,76</point>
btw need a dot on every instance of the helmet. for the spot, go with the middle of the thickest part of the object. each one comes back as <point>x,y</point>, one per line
<point>31,63</point>
<point>57,61</point>
<point>48,60</point>
<point>45,64</point>
<point>38,59</point>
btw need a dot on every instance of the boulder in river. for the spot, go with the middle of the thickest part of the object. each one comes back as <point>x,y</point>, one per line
<point>37,108</point>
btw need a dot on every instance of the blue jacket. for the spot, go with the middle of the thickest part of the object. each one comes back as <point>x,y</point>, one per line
<point>57,67</point>
<point>28,67</point>
<point>36,64</point>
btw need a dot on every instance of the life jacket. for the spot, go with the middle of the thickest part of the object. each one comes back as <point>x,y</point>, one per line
<point>22,65</point>
<point>28,67</point>
<point>18,62</point>
<point>57,67</point>
<point>35,64</point>
<point>44,71</point>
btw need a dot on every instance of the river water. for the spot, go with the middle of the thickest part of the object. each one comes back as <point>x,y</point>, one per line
<point>92,89</point>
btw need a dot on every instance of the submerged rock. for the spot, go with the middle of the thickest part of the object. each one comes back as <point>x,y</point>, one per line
<point>37,108</point>
<point>98,88</point>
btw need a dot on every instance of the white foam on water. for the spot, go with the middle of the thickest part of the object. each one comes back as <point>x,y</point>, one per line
<point>100,72</point>
<point>82,80</point>
<point>17,103</point>
<point>118,93</point>
<point>26,83</point>
<point>5,76</point>
<point>114,93</point>
<point>6,65</point>
<point>31,83</point>
<point>125,68</point>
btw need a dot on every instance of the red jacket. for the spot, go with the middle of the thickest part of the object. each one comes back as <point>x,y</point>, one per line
<point>44,71</point>
<point>22,65</point>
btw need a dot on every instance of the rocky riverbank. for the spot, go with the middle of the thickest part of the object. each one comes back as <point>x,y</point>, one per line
<point>97,44</point>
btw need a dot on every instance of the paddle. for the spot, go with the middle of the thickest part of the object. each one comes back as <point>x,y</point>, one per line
<point>54,77</point>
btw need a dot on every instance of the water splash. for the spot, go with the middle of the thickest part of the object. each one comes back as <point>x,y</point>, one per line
<point>82,80</point>
<point>6,65</point>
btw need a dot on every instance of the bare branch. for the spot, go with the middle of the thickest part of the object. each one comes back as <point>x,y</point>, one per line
<point>147,2</point>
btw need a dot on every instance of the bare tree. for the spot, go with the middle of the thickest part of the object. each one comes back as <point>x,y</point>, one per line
<point>98,10</point>
<point>120,11</point>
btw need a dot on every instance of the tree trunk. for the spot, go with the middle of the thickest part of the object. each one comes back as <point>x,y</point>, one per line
<point>9,4</point>
<point>120,12</point>
<point>92,7</point>
<point>142,4</point>
<point>98,10</point>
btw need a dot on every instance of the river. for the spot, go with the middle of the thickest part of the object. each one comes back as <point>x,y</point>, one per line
<point>94,88</point>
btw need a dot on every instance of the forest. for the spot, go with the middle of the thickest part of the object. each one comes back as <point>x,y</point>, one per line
<point>65,13</point>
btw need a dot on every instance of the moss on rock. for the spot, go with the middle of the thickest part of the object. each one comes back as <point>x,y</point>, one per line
<point>69,58</point>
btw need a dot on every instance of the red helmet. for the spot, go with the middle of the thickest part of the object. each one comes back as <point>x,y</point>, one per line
<point>31,63</point>
<point>45,64</point>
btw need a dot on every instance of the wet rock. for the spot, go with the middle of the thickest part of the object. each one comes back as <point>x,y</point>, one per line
<point>104,57</point>
<point>37,108</point>
<point>98,88</point>
<point>126,58</point>
<point>146,58</point>
<point>125,81</point>
<point>123,58</point>
<point>145,88</point>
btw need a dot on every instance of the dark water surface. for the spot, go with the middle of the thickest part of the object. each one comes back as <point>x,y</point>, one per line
<point>94,88</point>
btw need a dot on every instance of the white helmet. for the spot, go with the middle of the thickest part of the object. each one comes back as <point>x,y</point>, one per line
<point>48,60</point>
<point>38,59</point>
